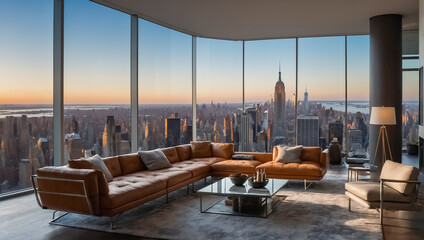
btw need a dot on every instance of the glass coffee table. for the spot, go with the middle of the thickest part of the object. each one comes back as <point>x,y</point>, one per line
<point>241,200</point>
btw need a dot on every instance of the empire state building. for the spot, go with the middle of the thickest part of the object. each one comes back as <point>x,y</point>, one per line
<point>279,107</point>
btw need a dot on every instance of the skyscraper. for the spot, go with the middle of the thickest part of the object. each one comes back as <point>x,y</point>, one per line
<point>308,130</point>
<point>335,130</point>
<point>246,132</point>
<point>306,101</point>
<point>172,131</point>
<point>109,141</point>
<point>279,107</point>
<point>228,129</point>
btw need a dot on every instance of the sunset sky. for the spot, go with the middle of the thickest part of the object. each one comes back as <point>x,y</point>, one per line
<point>97,52</point>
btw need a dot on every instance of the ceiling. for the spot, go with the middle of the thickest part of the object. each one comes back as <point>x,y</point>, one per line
<point>267,19</point>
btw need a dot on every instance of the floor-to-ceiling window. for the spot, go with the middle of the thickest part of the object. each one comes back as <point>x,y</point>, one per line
<point>97,82</point>
<point>220,116</point>
<point>410,98</point>
<point>26,92</point>
<point>358,112</point>
<point>270,88</point>
<point>321,87</point>
<point>165,112</point>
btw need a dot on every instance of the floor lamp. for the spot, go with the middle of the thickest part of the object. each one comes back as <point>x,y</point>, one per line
<point>383,116</point>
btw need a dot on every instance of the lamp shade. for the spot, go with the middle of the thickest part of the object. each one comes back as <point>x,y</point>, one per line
<point>383,116</point>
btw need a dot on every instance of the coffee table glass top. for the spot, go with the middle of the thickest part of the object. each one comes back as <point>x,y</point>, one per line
<point>227,188</point>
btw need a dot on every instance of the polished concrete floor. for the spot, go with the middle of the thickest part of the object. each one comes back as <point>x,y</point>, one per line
<point>21,218</point>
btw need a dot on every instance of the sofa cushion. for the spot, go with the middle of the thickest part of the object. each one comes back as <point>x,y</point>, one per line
<point>208,160</point>
<point>293,169</point>
<point>396,171</point>
<point>94,162</point>
<point>184,152</point>
<point>172,176</point>
<point>222,150</point>
<point>201,149</point>
<point>235,166</point>
<point>288,154</point>
<point>370,191</point>
<point>131,163</point>
<point>195,168</point>
<point>154,159</point>
<point>112,163</point>
<point>131,187</point>
<point>171,154</point>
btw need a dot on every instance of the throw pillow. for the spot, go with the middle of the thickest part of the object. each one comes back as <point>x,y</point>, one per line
<point>94,162</point>
<point>242,157</point>
<point>289,154</point>
<point>201,149</point>
<point>154,160</point>
<point>97,163</point>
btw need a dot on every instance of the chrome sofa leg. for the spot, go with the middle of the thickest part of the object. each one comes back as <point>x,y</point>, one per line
<point>205,179</point>
<point>192,187</point>
<point>306,186</point>
<point>112,221</point>
<point>54,214</point>
<point>188,188</point>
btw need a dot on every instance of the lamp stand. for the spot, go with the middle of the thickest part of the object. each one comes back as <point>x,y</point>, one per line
<point>384,138</point>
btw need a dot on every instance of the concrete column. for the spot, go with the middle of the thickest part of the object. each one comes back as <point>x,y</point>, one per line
<point>386,79</point>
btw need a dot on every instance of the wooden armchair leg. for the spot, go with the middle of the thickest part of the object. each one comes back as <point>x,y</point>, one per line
<point>350,204</point>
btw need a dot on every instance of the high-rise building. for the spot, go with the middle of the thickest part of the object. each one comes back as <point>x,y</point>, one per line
<point>279,107</point>
<point>306,101</point>
<point>246,132</point>
<point>308,130</point>
<point>172,131</point>
<point>355,140</point>
<point>335,130</point>
<point>254,113</point>
<point>228,129</point>
<point>108,139</point>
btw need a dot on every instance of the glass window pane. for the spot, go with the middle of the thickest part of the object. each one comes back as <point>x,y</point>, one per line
<point>321,90</point>
<point>270,97</point>
<point>358,95</point>
<point>97,82</point>
<point>410,63</point>
<point>410,95</point>
<point>219,93</point>
<point>26,93</point>
<point>165,112</point>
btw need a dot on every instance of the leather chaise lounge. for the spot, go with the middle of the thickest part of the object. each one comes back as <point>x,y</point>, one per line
<point>74,189</point>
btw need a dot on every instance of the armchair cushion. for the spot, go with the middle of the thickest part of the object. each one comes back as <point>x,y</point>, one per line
<point>397,171</point>
<point>370,192</point>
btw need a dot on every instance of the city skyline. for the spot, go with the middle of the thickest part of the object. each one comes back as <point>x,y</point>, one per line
<point>97,57</point>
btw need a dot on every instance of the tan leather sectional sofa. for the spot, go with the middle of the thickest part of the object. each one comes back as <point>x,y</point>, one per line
<point>86,190</point>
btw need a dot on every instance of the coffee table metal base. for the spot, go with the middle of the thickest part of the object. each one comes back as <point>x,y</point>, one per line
<point>265,207</point>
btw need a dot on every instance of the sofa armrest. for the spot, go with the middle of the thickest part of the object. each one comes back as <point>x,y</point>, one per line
<point>323,159</point>
<point>67,189</point>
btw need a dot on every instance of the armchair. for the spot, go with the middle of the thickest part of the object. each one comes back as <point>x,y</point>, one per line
<point>397,189</point>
